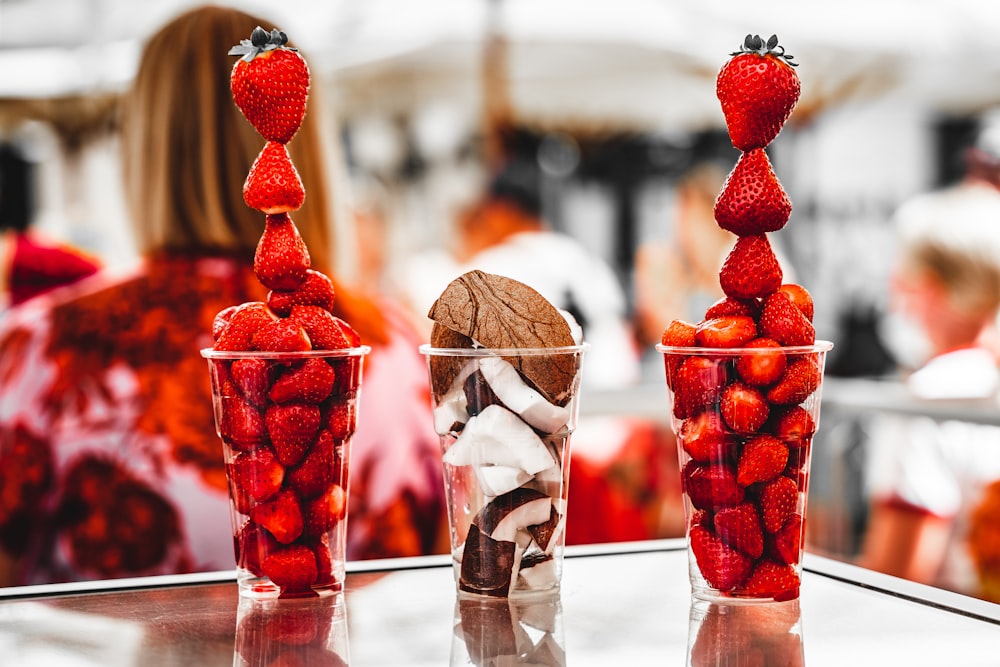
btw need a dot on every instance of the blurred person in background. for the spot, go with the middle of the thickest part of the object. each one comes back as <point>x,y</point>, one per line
<point>30,264</point>
<point>924,476</point>
<point>109,461</point>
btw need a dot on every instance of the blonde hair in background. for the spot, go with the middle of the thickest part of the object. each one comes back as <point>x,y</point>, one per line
<point>187,149</point>
<point>954,236</point>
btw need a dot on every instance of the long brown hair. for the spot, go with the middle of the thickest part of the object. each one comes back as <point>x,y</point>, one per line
<point>186,151</point>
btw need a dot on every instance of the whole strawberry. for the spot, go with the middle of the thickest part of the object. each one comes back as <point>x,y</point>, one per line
<point>281,259</point>
<point>273,185</point>
<point>758,89</point>
<point>752,200</point>
<point>270,84</point>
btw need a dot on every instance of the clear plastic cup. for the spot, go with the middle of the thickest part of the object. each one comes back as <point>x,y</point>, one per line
<point>291,632</point>
<point>505,418</point>
<point>518,631</point>
<point>744,420</point>
<point>286,420</point>
<point>745,634</point>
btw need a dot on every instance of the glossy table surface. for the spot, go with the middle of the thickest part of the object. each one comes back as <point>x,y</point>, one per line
<point>620,604</point>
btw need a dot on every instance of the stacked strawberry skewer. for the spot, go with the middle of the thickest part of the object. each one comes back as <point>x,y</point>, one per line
<point>285,423</point>
<point>745,419</point>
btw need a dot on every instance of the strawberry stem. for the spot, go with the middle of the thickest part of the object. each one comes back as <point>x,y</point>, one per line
<point>754,44</point>
<point>259,42</point>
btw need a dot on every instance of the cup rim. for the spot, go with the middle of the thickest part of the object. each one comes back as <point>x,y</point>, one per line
<point>428,350</point>
<point>211,353</point>
<point>818,346</point>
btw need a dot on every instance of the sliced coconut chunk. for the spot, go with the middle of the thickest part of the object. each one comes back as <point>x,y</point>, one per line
<point>539,572</point>
<point>451,414</point>
<point>526,401</point>
<point>489,567</point>
<point>496,436</point>
<point>497,480</point>
<point>545,533</point>
<point>517,510</point>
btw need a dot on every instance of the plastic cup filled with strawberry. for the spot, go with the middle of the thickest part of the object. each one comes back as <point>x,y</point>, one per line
<point>744,381</point>
<point>285,372</point>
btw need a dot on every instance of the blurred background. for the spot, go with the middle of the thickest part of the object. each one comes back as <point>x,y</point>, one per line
<point>613,105</point>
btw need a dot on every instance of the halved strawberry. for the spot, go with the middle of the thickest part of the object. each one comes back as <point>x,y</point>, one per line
<point>293,569</point>
<point>310,382</point>
<point>801,379</point>
<point>763,458</point>
<point>787,542</point>
<point>253,544</point>
<point>281,259</point>
<point>255,476</point>
<point>282,335</point>
<point>800,298</point>
<point>750,270</point>
<point>698,382</point>
<point>323,512</point>
<point>706,439</point>
<point>794,426</point>
<point>744,408</point>
<point>722,566</point>
<point>324,330</point>
<point>727,305</point>
<point>712,486</point>
<point>253,377</point>
<point>725,331</point>
<point>241,325</point>
<point>772,580</point>
<point>739,527</point>
<point>678,333</point>
<point>241,426</point>
<point>280,516</point>
<point>316,290</point>
<point>752,200</point>
<point>270,84</point>
<point>778,500</point>
<point>273,185</point>
<point>763,368</point>
<point>318,470</point>
<point>782,321</point>
<point>293,429</point>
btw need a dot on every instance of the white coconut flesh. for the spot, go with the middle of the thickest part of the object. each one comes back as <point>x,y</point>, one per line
<point>498,437</point>
<point>511,389</point>
<point>507,515</point>
<point>498,480</point>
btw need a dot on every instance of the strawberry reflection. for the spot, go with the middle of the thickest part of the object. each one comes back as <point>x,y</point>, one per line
<point>306,631</point>
<point>509,631</point>
<point>745,634</point>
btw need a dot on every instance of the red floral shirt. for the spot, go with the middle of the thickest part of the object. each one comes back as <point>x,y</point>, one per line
<point>109,461</point>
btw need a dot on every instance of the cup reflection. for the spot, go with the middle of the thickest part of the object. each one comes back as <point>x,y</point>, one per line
<point>514,631</point>
<point>304,631</point>
<point>745,635</point>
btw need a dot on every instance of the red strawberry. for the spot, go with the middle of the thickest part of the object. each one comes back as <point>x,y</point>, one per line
<point>727,305</point>
<point>324,562</point>
<point>282,516</point>
<point>292,429</point>
<point>739,527</point>
<point>221,321</point>
<point>273,185</point>
<point>779,498</point>
<point>800,298</point>
<point>293,569</point>
<point>801,379</point>
<point>698,382</point>
<point>256,476</point>
<point>323,513</point>
<point>243,323</point>
<point>270,84</point>
<point>316,290</point>
<point>311,382</point>
<point>678,334</point>
<point>788,540</point>
<point>241,426</point>
<point>763,458</point>
<point>750,270</point>
<point>318,469</point>
<point>757,88</point>
<point>782,321</point>
<point>772,580</point>
<point>726,331</point>
<point>752,200</point>
<point>762,368</point>
<point>706,439</point>
<point>325,331</point>
<point>342,421</point>
<point>253,377</point>
<point>281,335</point>
<point>710,487</point>
<point>722,566</point>
<point>281,259</point>
<point>253,544</point>
<point>744,408</point>
<point>794,426</point>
